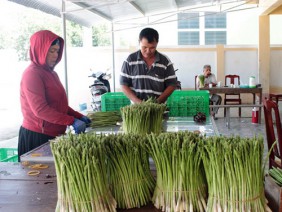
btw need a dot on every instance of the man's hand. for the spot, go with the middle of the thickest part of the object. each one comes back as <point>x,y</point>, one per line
<point>129,93</point>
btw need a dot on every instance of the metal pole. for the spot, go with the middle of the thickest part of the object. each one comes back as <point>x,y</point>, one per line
<point>65,46</point>
<point>113,57</point>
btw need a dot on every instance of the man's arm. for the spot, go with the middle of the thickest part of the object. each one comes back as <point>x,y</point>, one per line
<point>214,81</point>
<point>130,94</point>
<point>167,92</point>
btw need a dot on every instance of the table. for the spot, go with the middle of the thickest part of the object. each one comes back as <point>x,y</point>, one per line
<point>21,192</point>
<point>225,90</point>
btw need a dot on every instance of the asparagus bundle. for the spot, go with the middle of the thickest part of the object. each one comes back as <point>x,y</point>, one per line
<point>129,173</point>
<point>143,118</point>
<point>202,81</point>
<point>81,174</point>
<point>104,119</point>
<point>181,184</point>
<point>276,174</point>
<point>234,173</point>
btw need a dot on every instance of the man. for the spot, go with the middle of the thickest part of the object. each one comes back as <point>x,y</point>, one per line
<point>148,73</point>
<point>209,78</point>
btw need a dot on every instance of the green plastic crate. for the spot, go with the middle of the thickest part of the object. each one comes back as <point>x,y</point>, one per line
<point>113,101</point>
<point>188,103</point>
<point>8,155</point>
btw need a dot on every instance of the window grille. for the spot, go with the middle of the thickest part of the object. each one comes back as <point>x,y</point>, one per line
<point>202,28</point>
<point>215,37</point>
<point>188,38</point>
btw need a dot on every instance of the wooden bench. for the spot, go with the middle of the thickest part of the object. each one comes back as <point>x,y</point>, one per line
<point>227,107</point>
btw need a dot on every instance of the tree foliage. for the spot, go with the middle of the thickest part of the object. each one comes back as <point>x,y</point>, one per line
<point>16,34</point>
<point>30,25</point>
<point>101,35</point>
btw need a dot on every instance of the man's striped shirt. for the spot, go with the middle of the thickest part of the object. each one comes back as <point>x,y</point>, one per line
<point>147,83</point>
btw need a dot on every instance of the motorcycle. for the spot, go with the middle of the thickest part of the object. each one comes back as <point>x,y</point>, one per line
<point>100,86</point>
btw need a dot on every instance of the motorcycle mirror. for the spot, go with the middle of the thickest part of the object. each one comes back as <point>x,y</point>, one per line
<point>93,75</point>
<point>107,76</point>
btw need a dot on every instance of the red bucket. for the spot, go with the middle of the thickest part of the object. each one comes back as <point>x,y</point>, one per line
<point>255,113</point>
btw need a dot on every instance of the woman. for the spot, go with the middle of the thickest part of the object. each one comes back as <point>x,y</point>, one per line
<point>44,103</point>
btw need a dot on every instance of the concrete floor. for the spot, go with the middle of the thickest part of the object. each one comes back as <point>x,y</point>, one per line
<point>240,126</point>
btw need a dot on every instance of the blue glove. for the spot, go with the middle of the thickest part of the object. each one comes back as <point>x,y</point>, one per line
<point>86,120</point>
<point>78,126</point>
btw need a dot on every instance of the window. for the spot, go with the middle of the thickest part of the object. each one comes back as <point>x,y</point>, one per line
<point>188,21</point>
<point>215,20</point>
<point>215,37</point>
<point>188,25</point>
<point>201,28</point>
<point>190,38</point>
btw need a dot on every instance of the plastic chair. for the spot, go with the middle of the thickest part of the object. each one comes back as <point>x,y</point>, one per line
<point>273,129</point>
<point>231,97</point>
<point>196,83</point>
<point>276,97</point>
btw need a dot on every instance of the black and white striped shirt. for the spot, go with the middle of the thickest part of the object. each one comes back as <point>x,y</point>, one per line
<point>147,83</point>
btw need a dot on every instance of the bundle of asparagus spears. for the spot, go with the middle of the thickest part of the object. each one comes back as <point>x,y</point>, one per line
<point>104,119</point>
<point>181,184</point>
<point>129,174</point>
<point>105,172</point>
<point>143,118</point>
<point>81,174</point>
<point>234,171</point>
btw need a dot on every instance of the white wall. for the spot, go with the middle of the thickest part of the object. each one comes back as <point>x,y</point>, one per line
<point>242,63</point>
<point>80,60</point>
<point>276,68</point>
<point>242,27</point>
<point>241,60</point>
<point>190,64</point>
<point>275,29</point>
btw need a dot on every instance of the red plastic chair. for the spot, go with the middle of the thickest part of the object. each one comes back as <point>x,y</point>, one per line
<point>273,131</point>
<point>231,98</point>
<point>276,97</point>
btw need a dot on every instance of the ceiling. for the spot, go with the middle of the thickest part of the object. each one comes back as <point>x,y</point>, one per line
<point>91,12</point>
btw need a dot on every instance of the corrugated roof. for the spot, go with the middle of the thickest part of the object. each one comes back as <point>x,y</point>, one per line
<point>90,12</point>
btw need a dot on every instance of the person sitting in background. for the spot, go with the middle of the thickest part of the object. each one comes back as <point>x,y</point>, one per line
<point>44,103</point>
<point>147,73</point>
<point>209,78</point>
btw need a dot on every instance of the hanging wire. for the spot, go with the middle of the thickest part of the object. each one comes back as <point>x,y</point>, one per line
<point>161,21</point>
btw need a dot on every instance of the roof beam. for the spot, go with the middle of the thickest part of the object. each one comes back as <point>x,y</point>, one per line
<point>91,9</point>
<point>137,7</point>
<point>173,3</point>
<point>38,5</point>
<point>268,6</point>
<point>277,11</point>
